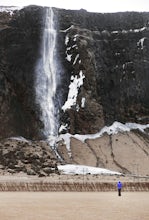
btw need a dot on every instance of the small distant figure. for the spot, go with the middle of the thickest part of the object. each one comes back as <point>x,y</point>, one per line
<point>119,187</point>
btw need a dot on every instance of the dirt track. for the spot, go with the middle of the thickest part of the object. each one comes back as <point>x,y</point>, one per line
<point>74,206</point>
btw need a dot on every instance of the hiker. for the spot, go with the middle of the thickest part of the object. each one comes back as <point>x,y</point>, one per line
<point>119,187</point>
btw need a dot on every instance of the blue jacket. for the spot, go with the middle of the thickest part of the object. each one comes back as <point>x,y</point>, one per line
<point>119,185</point>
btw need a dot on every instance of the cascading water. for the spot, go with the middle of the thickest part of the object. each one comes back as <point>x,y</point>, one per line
<point>46,80</point>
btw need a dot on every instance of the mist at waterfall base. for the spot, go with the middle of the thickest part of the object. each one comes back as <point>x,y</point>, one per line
<point>47,80</point>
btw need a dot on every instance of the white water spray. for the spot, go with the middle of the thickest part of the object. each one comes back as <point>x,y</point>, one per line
<point>46,77</point>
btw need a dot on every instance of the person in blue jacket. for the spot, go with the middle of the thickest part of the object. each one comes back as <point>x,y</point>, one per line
<point>119,187</point>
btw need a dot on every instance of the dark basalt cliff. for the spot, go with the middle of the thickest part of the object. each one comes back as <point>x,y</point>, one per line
<point>110,49</point>
<point>20,37</point>
<point>113,49</point>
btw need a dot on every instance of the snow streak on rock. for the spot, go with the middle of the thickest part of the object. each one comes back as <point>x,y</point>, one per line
<point>74,86</point>
<point>76,81</point>
<point>115,128</point>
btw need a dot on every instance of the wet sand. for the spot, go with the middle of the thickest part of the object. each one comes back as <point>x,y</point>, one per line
<point>74,206</point>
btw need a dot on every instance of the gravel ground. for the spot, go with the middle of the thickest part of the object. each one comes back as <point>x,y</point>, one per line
<point>21,177</point>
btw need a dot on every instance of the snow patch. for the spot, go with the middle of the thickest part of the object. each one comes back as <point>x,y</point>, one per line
<point>19,138</point>
<point>75,46</point>
<point>141,42</point>
<point>63,128</point>
<point>131,30</point>
<point>76,58</point>
<point>66,40</point>
<point>68,57</point>
<point>141,29</point>
<point>81,169</point>
<point>75,37</point>
<point>115,128</point>
<point>9,10</point>
<point>67,28</point>
<point>114,32</point>
<point>66,138</point>
<point>73,91</point>
<point>82,102</point>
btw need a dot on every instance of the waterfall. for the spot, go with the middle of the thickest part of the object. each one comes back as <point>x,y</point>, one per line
<point>46,81</point>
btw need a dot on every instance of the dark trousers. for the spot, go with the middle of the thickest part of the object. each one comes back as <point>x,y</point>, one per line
<point>119,192</point>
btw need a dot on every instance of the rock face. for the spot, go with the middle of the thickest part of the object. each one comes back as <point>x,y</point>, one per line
<point>122,152</point>
<point>32,158</point>
<point>113,55</point>
<point>20,37</point>
<point>111,50</point>
<point>104,57</point>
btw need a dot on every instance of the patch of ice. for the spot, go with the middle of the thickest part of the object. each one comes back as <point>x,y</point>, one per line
<point>141,42</point>
<point>66,40</point>
<point>83,102</point>
<point>68,57</point>
<point>75,60</point>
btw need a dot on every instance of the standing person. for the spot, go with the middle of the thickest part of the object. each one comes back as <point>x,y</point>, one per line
<point>119,187</point>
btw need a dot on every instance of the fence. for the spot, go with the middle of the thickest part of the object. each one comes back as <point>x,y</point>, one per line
<point>70,187</point>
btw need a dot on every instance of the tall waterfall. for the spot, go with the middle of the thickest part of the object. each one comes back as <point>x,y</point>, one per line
<point>46,81</point>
